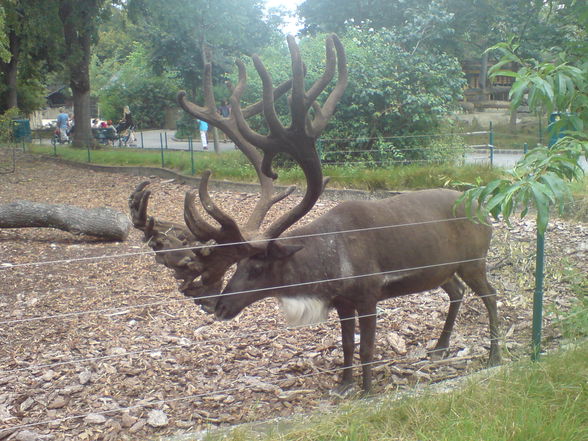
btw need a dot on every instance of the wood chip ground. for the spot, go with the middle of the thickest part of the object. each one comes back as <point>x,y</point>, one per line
<point>96,343</point>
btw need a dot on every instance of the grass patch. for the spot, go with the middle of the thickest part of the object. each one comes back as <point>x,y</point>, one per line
<point>546,401</point>
<point>235,167</point>
<point>578,209</point>
<point>574,325</point>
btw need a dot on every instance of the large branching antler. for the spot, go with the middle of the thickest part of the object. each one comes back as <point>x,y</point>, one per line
<point>298,140</point>
<point>230,127</point>
<point>187,250</point>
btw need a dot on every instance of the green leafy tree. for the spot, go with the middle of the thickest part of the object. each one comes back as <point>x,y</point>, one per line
<point>136,85</point>
<point>80,20</point>
<point>183,32</point>
<point>4,49</point>
<point>540,179</point>
<point>463,28</point>
<point>393,88</point>
<point>338,15</point>
<point>32,39</point>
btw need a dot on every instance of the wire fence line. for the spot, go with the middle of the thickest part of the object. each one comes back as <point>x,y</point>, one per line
<point>170,347</point>
<point>173,346</point>
<point>163,302</point>
<point>445,147</point>
<point>168,401</point>
<point>481,146</point>
<point>210,341</point>
<point>218,295</point>
<point>7,266</point>
<point>424,135</point>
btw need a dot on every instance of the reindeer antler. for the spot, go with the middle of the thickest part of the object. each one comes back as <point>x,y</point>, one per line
<point>203,268</point>
<point>298,140</point>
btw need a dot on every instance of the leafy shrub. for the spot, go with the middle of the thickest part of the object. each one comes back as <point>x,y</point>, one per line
<point>7,123</point>
<point>135,85</point>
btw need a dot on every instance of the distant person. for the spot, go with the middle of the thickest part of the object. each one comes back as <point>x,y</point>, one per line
<point>111,132</point>
<point>62,122</point>
<point>95,123</point>
<point>71,125</point>
<point>127,124</point>
<point>203,127</point>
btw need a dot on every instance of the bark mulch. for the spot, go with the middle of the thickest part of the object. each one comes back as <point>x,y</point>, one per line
<point>98,344</point>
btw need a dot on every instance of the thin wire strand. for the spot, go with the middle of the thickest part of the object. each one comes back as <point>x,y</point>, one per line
<point>7,266</point>
<point>174,346</point>
<point>293,285</point>
<point>170,347</point>
<point>201,395</point>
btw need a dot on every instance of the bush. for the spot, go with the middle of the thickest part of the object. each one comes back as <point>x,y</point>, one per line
<point>7,124</point>
<point>135,85</point>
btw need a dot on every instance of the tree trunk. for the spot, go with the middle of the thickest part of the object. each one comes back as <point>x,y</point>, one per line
<point>102,222</point>
<point>82,135</point>
<point>483,78</point>
<point>513,119</point>
<point>10,71</point>
<point>78,44</point>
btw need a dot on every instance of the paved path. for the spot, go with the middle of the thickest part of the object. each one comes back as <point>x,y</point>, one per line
<point>154,139</point>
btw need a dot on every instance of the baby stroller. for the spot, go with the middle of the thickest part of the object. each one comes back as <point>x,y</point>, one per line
<point>58,139</point>
<point>126,134</point>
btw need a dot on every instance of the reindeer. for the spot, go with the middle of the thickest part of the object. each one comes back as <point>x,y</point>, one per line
<point>349,259</point>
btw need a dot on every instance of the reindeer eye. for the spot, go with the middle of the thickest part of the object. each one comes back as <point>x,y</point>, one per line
<point>256,270</point>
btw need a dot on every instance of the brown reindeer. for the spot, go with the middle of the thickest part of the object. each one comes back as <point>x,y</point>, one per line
<point>357,254</point>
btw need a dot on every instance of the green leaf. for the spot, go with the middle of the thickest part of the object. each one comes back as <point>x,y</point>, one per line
<point>542,206</point>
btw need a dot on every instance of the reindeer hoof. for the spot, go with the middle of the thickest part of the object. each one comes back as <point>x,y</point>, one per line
<point>344,391</point>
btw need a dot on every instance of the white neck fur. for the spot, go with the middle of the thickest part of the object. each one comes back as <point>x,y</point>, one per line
<point>304,310</point>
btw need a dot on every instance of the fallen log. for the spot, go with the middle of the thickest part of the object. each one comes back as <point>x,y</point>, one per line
<point>102,222</point>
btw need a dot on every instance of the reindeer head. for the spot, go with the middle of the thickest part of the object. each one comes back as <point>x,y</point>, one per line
<point>201,254</point>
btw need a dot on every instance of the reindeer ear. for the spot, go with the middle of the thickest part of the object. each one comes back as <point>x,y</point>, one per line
<point>279,251</point>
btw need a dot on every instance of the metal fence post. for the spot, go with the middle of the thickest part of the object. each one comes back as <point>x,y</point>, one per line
<point>538,296</point>
<point>161,145</point>
<point>165,133</point>
<point>525,148</point>
<point>142,143</point>
<point>191,148</point>
<point>491,144</point>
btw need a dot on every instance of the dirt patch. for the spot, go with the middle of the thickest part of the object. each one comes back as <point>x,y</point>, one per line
<point>106,348</point>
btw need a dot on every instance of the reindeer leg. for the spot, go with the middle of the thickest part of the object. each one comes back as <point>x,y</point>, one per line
<point>455,289</point>
<point>346,313</point>
<point>367,329</point>
<point>474,275</point>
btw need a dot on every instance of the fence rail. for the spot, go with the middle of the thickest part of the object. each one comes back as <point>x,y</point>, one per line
<point>434,148</point>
